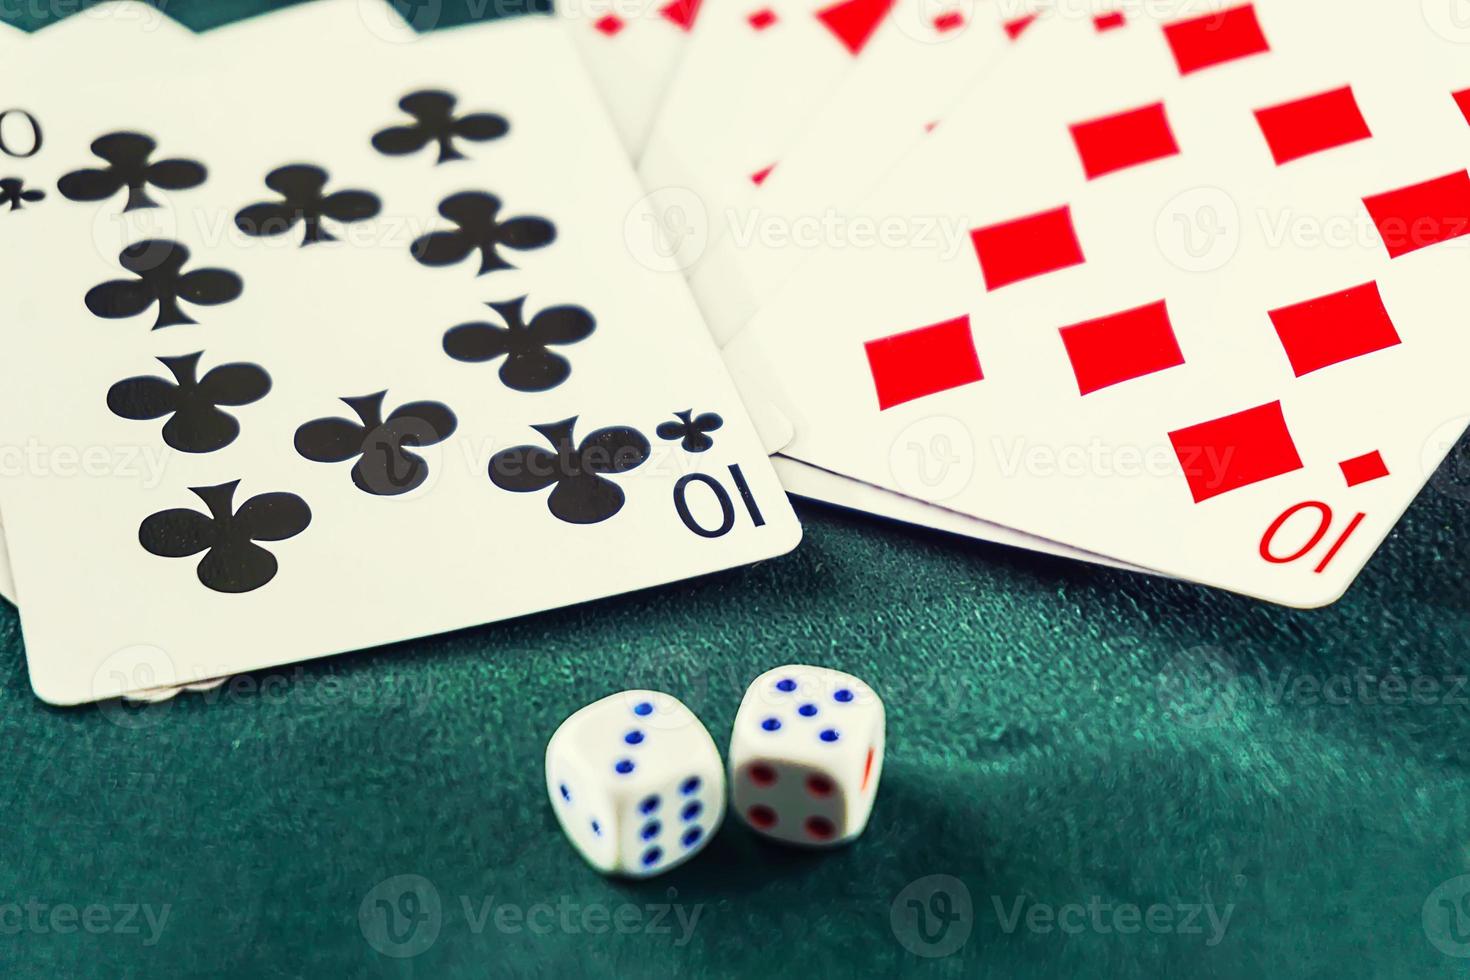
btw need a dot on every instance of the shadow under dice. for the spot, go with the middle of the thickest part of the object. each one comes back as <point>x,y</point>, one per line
<point>636,783</point>
<point>806,754</point>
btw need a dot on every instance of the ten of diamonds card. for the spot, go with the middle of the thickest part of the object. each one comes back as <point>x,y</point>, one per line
<point>1202,315</point>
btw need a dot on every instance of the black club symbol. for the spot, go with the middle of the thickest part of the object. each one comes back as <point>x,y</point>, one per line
<point>198,425</point>
<point>300,186</point>
<point>692,430</point>
<point>127,156</point>
<point>583,494</point>
<point>387,467</point>
<point>528,366</point>
<point>435,122</point>
<point>233,562</point>
<point>14,193</point>
<point>159,265</point>
<point>480,228</point>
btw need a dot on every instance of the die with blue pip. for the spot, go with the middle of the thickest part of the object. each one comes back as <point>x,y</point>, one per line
<point>638,785</point>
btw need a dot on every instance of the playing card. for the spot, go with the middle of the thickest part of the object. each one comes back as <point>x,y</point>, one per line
<point>21,141</point>
<point>806,480</point>
<point>927,464</point>
<point>382,343</point>
<point>900,89</point>
<point>1199,318</point>
<point>631,48</point>
<point>754,73</point>
<point>895,94</point>
<point>12,190</point>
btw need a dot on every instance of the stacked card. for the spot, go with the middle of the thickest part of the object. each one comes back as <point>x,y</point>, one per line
<point>1168,285</point>
<point>305,361</point>
<point>310,359</point>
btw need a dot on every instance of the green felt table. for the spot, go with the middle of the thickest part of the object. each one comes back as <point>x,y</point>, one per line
<point>1117,776</point>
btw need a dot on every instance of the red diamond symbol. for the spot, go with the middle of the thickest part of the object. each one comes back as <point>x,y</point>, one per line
<point>1235,451</point>
<point>1416,217</point>
<point>1121,346</point>
<point>1025,247</point>
<point>681,13</point>
<point>1462,99</point>
<point>949,21</point>
<point>1364,468</point>
<point>1338,327</point>
<point>923,362</point>
<point>610,25</point>
<point>1312,125</point>
<point>762,18</point>
<point>1216,38</point>
<point>1124,140</point>
<point>853,21</point>
<point>1015,28</point>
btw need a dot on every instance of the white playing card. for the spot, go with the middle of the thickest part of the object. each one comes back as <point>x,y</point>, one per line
<point>368,442</point>
<point>17,147</point>
<point>900,87</point>
<point>806,480</point>
<point>10,37</point>
<point>906,79</point>
<point>631,49</point>
<point>1203,321</point>
<point>754,74</point>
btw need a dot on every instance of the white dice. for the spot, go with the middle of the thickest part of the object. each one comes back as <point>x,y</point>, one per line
<point>806,754</point>
<point>635,781</point>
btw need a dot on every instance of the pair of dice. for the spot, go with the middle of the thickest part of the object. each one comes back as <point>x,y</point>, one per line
<point>637,785</point>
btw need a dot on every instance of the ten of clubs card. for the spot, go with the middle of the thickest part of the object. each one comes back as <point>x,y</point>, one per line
<point>374,334</point>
